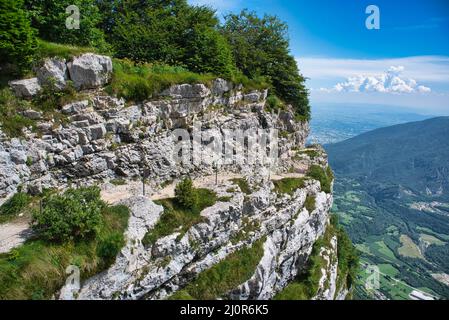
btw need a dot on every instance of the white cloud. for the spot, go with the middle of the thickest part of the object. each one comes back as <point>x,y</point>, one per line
<point>418,73</point>
<point>421,68</point>
<point>390,81</point>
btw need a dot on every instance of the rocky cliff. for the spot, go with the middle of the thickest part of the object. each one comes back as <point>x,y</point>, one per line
<point>106,138</point>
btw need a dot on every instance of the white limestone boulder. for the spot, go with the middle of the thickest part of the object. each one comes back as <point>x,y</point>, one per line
<point>90,71</point>
<point>53,71</point>
<point>25,88</point>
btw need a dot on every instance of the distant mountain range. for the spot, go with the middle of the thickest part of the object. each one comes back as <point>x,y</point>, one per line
<point>414,155</point>
<point>333,123</point>
<point>392,195</point>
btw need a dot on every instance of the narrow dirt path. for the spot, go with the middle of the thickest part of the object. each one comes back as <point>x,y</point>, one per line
<point>114,194</point>
<point>15,233</point>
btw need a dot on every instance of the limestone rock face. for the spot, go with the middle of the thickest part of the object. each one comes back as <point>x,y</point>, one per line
<point>75,107</point>
<point>26,88</point>
<point>104,138</point>
<point>287,229</point>
<point>53,71</point>
<point>183,91</point>
<point>90,70</point>
<point>327,285</point>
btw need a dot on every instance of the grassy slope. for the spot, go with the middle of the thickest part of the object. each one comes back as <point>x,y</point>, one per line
<point>177,218</point>
<point>226,275</point>
<point>36,270</point>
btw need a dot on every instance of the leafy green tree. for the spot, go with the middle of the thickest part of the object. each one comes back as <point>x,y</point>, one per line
<point>74,215</point>
<point>185,194</point>
<point>210,52</point>
<point>170,32</point>
<point>49,18</point>
<point>261,48</point>
<point>17,38</point>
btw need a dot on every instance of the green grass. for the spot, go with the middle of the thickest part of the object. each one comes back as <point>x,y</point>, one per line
<point>14,206</point>
<point>11,121</point>
<point>288,185</point>
<point>235,269</point>
<point>438,235</point>
<point>143,81</point>
<point>409,248</point>
<point>306,285</point>
<point>310,203</point>
<point>248,226</point>
<point>348,256</point>
<point>431,239</point>
<point>394,289</point>
<point>49,101</point>
<point>36,270</point>
<point>181,295</point>
<point>325,177</point>
<point>388,269</point>
<point>243,184</point>
<point>177,218</point>
<point>256,83</point>
<point>49,49</point>
<point>379,248</point>
<point>138,82</point>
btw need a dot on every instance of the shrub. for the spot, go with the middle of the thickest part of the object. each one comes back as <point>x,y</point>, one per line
<point>17,39</point>
<point>185,194</point>
<point>118,182</point>
<point>109,247</point>
<point>288,185</point>
<point>14,205</point>
<point>325,177</point>
<point>243,184</point>
<point>51,98</point>
<point>74,215</point>
<point>310,203</point>
<point>11,121</point>
<point>274,103</point>
<point>348,256</point>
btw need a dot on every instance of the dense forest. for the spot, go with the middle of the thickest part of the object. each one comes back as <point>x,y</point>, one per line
<point>159,32</point>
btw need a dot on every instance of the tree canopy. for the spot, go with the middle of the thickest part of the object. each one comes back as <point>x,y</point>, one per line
<point>169,32</point>
<point>17,38</point>
<point>261,48</point>
<point>49,18</point>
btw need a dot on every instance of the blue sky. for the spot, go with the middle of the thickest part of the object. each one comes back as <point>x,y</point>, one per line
<point>405,62</point>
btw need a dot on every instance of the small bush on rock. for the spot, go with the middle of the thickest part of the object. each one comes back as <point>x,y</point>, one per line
<point>185,194</point>
<point>325,177</point>
<point>109,247</point>
<point>74,215</point>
